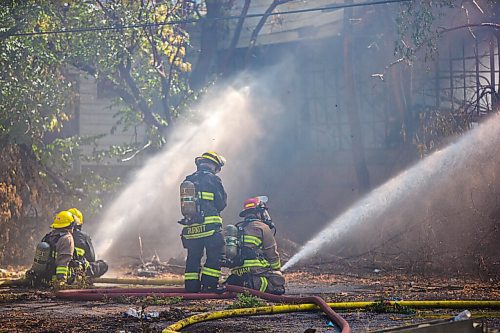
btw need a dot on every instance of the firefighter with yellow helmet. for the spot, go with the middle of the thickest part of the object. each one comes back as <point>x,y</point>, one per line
<point>202,199</point>
<point>84,250</point>
<point>54,254</point>
<point>251,249</point>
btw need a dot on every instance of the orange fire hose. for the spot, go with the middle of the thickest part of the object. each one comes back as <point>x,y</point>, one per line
<point>106,293</point>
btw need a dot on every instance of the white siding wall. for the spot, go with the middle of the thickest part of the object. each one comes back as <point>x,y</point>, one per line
<point>289,27</point>
<point>96,118</point>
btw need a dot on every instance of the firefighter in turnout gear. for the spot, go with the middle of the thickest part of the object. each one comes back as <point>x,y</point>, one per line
<point>84,250</point>
<point>54,254</point>
<point>202,199</point>
<point>256,263</point>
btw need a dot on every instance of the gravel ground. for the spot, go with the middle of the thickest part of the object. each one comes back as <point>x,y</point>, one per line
<point>24,310</point>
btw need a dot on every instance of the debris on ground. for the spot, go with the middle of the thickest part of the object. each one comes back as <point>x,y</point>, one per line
<point>155,267</point>
<point>140,314</point>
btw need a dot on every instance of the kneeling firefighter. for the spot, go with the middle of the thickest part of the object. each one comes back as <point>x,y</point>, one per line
<point>84,250</point>
<point>54,254</point>
<point>202,199</point>
<point>251,250</point>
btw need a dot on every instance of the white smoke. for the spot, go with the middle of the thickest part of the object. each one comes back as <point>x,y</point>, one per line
<point>228,121</point>
<point>427,175</point>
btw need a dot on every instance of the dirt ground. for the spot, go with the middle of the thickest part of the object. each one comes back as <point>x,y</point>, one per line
<point>24,310</point>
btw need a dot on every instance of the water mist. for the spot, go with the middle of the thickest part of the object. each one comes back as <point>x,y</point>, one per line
<point>430,174</point>
<point>227,121</point>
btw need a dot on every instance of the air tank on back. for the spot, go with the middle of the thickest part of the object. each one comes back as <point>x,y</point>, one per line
<point>42,255</point>
<point>231,240</point>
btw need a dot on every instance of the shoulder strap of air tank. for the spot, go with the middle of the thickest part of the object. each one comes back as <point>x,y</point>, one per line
<point>51,239</point>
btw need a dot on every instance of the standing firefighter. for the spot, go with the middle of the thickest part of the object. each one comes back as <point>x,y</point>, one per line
<point>251,250</point>
<point>84,250</point>
<point>202,199</point>
<point>54,254</point>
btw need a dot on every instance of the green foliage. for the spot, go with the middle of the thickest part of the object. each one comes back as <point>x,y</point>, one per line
<point>148,301</point>
<point>245,300</point>
<point>417,29</point>
<point>383,306</point>
<point>153,300</point>
<point>145,67</point>
<point>34,88</point>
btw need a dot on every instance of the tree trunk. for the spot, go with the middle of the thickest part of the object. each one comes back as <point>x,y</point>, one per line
<point>358,151</point>
<point>394,75</point>
<point>226,68</point>
<point>208,49</point>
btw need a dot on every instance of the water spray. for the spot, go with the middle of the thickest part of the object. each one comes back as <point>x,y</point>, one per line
<point>430,173</point>
<point>228,121</point>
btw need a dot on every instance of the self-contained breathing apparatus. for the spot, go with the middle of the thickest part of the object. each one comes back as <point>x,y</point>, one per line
<point>235,251</point>
<point>190,205</point>
<point>44,262</point>
<point>41,261</point>
<point>43,267</point>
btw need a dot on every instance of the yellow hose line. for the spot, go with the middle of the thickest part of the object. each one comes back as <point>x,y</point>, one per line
<point>421,304</point>
<point>146,282</point>
<point>174,328</point>
<point>13,282</point>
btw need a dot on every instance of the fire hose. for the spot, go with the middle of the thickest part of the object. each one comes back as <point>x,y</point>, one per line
<point>176,327</point>
<point>159,282</point>
<point>104,293</point>
<point>332,315</point>
<point>127,281</point>
<point>305,303</point>
<point>100,294</point>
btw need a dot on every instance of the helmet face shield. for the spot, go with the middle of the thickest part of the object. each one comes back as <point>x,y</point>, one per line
<point>254,205</point>
<point>263,198</point>
<point>222,160</point>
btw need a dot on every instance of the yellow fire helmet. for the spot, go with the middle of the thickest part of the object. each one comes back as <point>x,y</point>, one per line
<point>77,215</point>
<point>62,220</point>
<point>212,156</point>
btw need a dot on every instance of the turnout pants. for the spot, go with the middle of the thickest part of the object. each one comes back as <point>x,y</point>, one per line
<point>206,278</point>
<point>97,268</point>
<point>271,282</point>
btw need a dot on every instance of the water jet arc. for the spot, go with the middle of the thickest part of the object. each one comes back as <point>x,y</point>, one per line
<point>430,173</point>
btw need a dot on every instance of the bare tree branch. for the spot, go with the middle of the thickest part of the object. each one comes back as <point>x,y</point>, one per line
<point>6,34</point>
<point>139,101</point>
<point>258,28</point>
<point>485,24</point>
<point>57,179</point>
